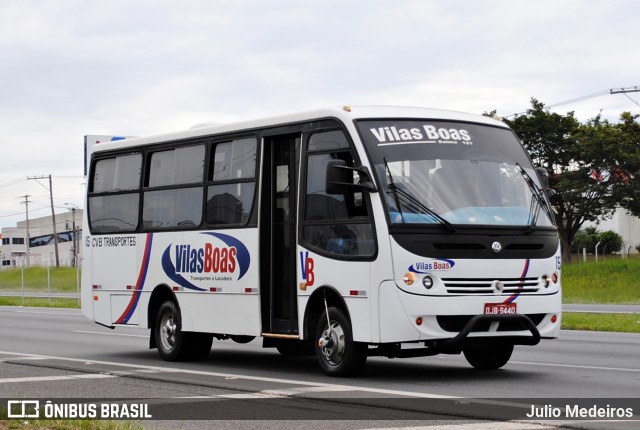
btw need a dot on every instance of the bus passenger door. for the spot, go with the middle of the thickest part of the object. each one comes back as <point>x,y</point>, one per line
<point>278,234</point>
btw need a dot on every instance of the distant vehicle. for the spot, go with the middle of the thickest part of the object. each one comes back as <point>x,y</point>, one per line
<point>347,233</point>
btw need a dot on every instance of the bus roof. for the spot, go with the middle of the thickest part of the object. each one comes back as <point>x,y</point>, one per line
<point>346,114</point>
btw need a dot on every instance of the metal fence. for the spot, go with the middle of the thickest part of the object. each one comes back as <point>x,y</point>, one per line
<point>41,282</point>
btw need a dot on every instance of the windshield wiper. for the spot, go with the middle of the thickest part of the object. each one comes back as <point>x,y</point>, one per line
<point>537,200</point>
<point>421,207</point>
<point>414,204</point>
<point>393,188</point>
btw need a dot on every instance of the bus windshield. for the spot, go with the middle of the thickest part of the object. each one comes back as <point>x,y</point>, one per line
<point>454,173</point>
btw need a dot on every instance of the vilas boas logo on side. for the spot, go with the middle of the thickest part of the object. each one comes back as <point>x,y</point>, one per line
<point>219,257</point>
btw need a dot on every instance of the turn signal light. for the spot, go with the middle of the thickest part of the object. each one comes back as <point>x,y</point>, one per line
<point>419,321</point>
<point>554,319</point>
<point>409,278</point>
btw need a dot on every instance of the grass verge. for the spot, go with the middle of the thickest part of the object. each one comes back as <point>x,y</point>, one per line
<point>62,279</point>
<point>627,323</point>
<point>39,302</point>
<point>610,281</point>
<point>69,424</point>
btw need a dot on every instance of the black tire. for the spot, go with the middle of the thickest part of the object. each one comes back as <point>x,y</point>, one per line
<point>241,338</point>
<point>488,357</point>
<point>200,346</point>
<point>174,344</point>
<point>340,356</point>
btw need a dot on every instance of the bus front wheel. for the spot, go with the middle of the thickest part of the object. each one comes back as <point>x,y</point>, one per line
<point>336,351</point>
<point>174,344</point>
<point>488,357</point>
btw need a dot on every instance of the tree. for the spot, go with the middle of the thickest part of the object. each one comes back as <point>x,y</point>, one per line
<point>629,169</point>
<point>591,165</point>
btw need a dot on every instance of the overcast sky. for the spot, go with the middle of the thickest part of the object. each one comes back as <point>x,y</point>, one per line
<point>73,67</point>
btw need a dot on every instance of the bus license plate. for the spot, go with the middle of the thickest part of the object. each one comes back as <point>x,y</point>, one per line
<point>500,308</point>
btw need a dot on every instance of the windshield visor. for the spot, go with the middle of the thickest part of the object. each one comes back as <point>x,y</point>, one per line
<point>462,173</point>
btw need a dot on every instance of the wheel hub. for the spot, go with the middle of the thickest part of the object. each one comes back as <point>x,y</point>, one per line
<point>169,332</point>
<point>332,343</point>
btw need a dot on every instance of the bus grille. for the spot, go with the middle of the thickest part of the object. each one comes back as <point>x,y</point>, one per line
<point>487,286</point>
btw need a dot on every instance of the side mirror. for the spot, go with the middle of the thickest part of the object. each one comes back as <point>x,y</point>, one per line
<point>543,175</point>
<point>339,177</point>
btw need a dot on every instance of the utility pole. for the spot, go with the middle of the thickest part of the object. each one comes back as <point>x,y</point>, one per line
<point>53,214</point>
<point>73,208</point>
<point>26,204</point>
<point>624,90</point>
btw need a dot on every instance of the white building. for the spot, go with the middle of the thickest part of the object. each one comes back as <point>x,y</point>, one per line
<point>626,225</point>
<point>13,251</point>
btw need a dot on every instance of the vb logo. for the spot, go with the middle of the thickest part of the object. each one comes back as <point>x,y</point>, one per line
<point>306,267</point>
<point>23,409</point>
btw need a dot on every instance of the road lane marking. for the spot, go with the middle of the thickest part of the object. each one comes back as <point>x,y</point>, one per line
<point>111,334</point>
<point>247,396</point>
<point>56,378</point>
<point>304,390</point>
<point>336,387</point>
<point>576,366</point>
<point>495,425</point>
<point>25,358</point>
<point>48,313</point>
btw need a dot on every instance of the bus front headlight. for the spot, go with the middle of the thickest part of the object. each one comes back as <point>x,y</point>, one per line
<point>427,282</point>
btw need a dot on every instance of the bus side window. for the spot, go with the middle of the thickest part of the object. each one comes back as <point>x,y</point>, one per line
<point>114,194</point>
<point>337,224</point>
<point>231,182</point>
<point>173,189</point>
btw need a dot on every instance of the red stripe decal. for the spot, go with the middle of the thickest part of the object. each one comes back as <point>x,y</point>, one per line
<point>131,307</point>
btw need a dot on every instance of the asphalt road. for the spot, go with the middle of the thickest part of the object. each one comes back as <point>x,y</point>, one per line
<point>56,353</point>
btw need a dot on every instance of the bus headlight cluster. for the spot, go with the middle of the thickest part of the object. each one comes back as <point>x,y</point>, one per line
<point>409,278</point>
<point>548,280</point>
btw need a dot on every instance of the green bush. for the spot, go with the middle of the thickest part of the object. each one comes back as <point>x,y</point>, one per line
<point>610,241</point>
<point>585,238</point>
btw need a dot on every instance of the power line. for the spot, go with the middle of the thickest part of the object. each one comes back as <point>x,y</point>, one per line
<point>623,90</point>
<point>627,96</point>
<point>14,182</point>
<point>581,99</point>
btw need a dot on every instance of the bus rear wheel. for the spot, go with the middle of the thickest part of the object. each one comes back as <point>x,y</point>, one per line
<point>488,357</point>
<point>336,351</point>
<point>174,344</point>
